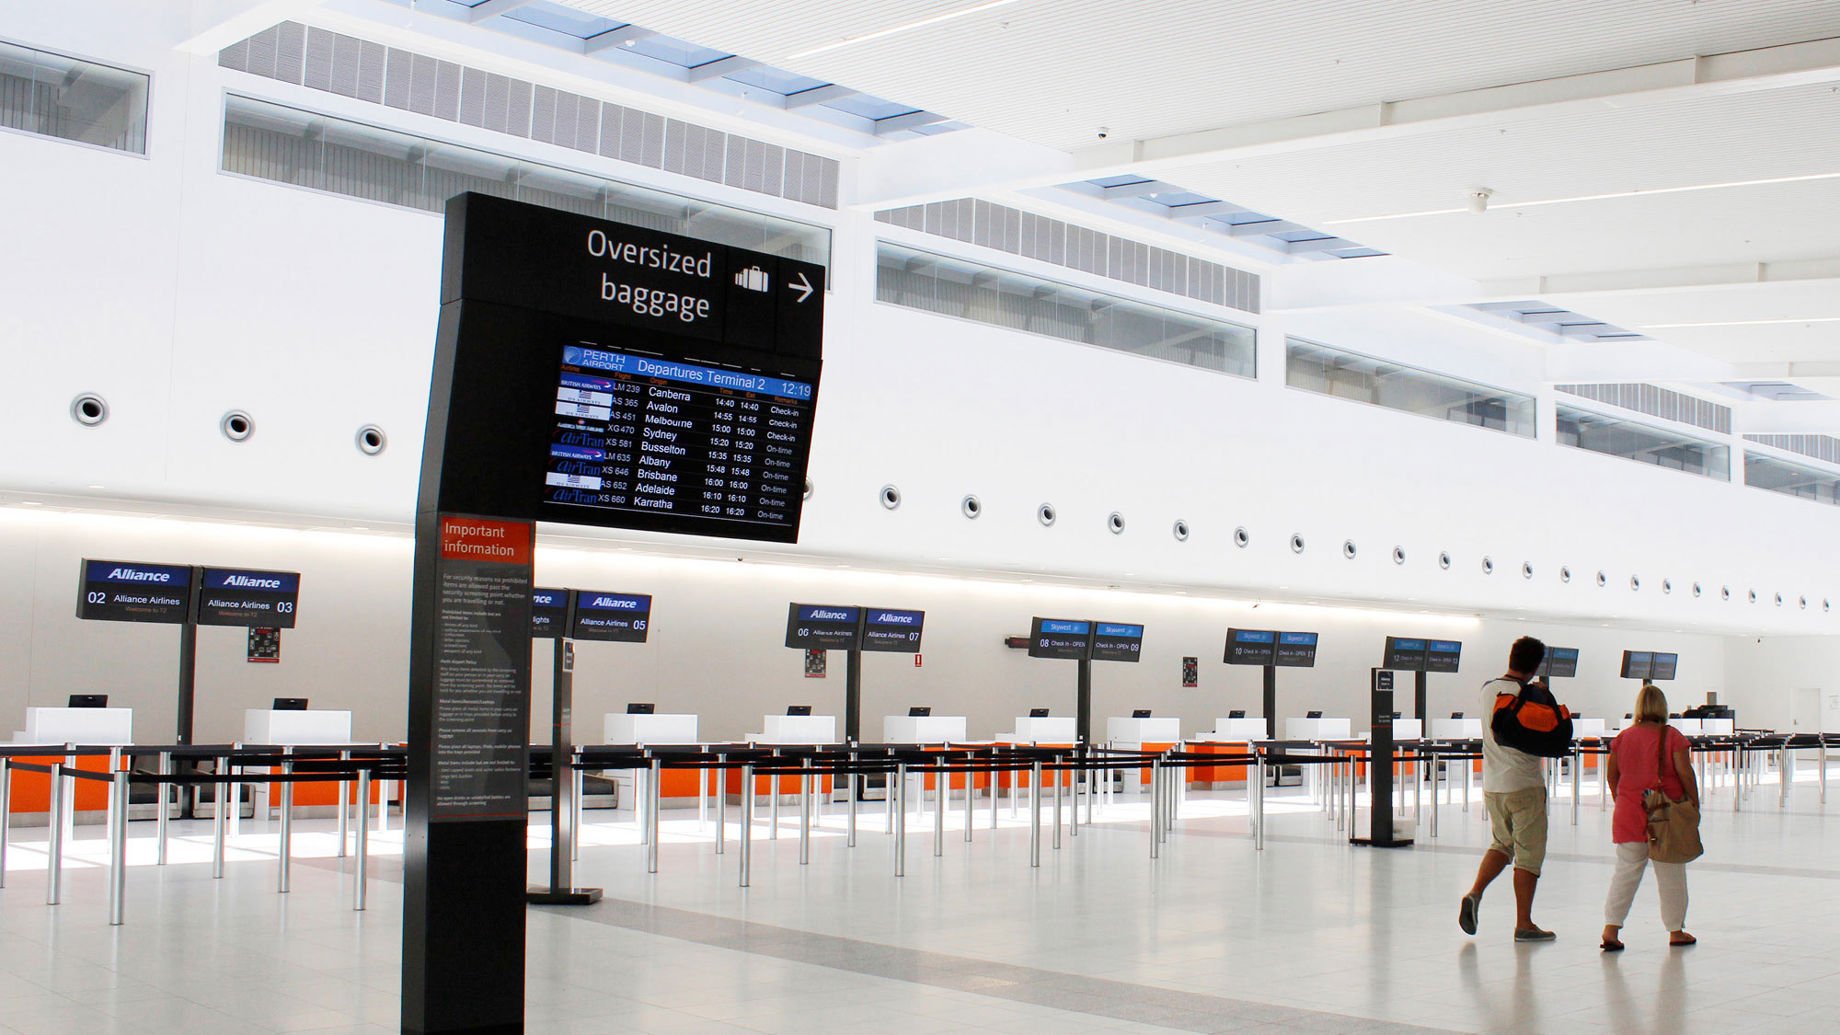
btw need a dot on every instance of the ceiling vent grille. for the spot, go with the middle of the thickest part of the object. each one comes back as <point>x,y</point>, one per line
<point>1058,243</point>
<point>1821,447</point>
<point>350,67</point>
<point>1658,402</point>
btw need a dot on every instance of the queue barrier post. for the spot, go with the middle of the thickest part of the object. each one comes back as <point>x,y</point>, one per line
<point>773,806</point>
<point>118,845</point>
<point>1821,755</point>
<point>721,803</point>
<point>747,819</point>
<point>6,800</point>
<point>900,820</point>
<point>285,856</point>
<point>971,797</point>
<point>993,788</point>
<point>161,790</point>
<point>1077,776</point>
<point>941,801</point>
<point>805,819</point>
<point>702,800</point>
<point>344,806</point>
<point>1577,781</point>
<point>653,799</point>
<point>1258,815</point>
<point>1057,777</point>
<point>854,793</point>
<point>54,879</point>
<point>1035,812</point>
<point>359,890</point>
<point>1156,810</point>
<point>217,821</point>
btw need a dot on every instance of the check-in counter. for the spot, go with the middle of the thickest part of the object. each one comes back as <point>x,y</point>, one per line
<point>796,729</point>
<point>624,728</point>
<point>89,726</point>
<point>923,729</point>
<point>303,726</point>
<point>1228,737</point>
<point>1157,733</point>
<point>1456,729</point>
<point>1318,729</point>
<point>1239,730</point>
<point>1044,729</point>
<point>1691,727</point>
<point>1407,729</point>
<point>1718,727</point>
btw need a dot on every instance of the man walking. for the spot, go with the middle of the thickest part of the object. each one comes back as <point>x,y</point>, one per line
<point>1514,793</point>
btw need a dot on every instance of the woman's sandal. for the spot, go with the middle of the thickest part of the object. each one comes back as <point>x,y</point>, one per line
<point>1680,943</point>
<point>1611,945</point>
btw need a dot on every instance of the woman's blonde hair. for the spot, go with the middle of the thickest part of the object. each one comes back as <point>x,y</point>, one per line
<point>1651,704</point>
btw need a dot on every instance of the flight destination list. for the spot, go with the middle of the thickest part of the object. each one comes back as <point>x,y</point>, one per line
<point>637,433</point>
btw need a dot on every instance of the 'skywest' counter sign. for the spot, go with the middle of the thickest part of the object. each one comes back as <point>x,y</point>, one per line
<point>822,626</point>
<point>1116,641</point>
<point>1252,647</point>
<point>128,591</point>
<point>1442,655</point>
<point>1297,649</point>
<point>244,597</point>
<point>1063,638</point>
<point>886,629</point>
<point>614,617</point>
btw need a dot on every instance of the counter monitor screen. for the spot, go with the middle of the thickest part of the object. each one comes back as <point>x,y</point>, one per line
<point>1140,713</point>
<point>640,707</point>
<point>1038,713</point>
<point>1560,663</point>
<point>920,711</point>
<point>886,629</point>
<point>128,591</point>
<point>1297,649</point>
<point>1456,715</point>
<point>1663,666</point>
<point>1063,638</point>
<point>89,701</point>
<point>612,617</point>
<point>1252,647</point>
<point>798,709</point>
<point>1404,655</point>
<point>290,704</point>
<point>1442,655</point>
<point>1116,641</point>
<point>1312,715</point>
<point>1637,664</point>
<point>1236,713</point>
<point>243,597</point>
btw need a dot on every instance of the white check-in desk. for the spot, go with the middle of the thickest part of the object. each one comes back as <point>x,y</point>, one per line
<point>292,728</point>
<point>923,729</point>
<point>1318,729</point>
<point>103,727</point>
<point>796,729</point>
<point>1236,730</point>
<point>1456,729</point>
<point>623,728</point>
<point>1153,733</point>
<point>1043,729</point>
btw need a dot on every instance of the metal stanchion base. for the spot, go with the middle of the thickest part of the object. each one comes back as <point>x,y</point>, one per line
<point>1368,842</point>
<point>541,896</point>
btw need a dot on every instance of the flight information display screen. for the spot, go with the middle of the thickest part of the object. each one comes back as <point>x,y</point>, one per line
<point>640,434</point>
<point>823,626</point>
<point>1663,665</point>
<point>614,617</point>
<point>240,596</point>
<point>1637,664</point>
<point>886,629</point>
<point>127,591</point>
<point>549,612</point>
<point>1297,649</point>
<point>1404,654</point>
<point>1442,655</point>
<point>1560,663</point>
<point>1065,638</point>
<point>1116,641</point>
<point>1252,647</point>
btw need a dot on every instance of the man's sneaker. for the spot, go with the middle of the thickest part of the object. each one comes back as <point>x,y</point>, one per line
<point>1466,914</point>
<point>1534,934</point>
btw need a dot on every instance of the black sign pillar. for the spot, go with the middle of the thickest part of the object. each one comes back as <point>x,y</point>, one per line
<point>852,696</point>
<point>561,890</point>
<point>1083,725</point>
<point>188,667</point>
<point>1418,697</point>
<point>1380,766</point>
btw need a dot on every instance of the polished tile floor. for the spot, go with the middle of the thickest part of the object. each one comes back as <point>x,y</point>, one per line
<point>1308,935</point>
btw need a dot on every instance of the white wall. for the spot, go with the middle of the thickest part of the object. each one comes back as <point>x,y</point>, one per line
<point>1766,672</point>
<point>716,640</point>
<point>178,293</point>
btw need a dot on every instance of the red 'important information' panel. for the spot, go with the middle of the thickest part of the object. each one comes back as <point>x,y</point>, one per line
<point>482,661</point>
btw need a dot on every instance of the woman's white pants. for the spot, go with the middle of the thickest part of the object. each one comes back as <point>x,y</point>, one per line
<point>1670,878</point>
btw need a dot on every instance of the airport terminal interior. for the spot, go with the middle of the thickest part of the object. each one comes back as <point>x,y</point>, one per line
<point>917,515</point>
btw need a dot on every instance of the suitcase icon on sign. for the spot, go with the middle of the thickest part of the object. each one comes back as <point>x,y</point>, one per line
<point>753,279</point>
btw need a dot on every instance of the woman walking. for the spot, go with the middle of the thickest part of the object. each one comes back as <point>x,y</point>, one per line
<point>1639,755</point>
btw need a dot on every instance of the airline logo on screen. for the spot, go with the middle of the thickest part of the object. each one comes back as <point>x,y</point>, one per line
<point>1444,646</point>
<point>1253,636</point>
<point>896,618</point>
<point>1121,631</point>
<point>1054,627</point>
<point>549,598</point>
<point>823,613</point>
<point>258,581</point>
<point>613,602</point>
<point>138,574</point>
<point>1297,639</point>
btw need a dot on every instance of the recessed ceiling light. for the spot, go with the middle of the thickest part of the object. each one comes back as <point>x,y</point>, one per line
<point>1743,323</point>
<point>95,486</point>
<point>1586,197</point>
<point>31,503</point>
<point>919,23</point>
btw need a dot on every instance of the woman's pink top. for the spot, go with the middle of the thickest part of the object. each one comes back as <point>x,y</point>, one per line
<point>1634,749</point>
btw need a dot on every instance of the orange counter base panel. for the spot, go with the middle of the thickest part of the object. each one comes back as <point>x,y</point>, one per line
<point>32,791</point>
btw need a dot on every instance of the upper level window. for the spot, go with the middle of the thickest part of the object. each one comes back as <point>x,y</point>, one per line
<point>1602,433</point>
<point>56,96</point>
<point>1350,375</point>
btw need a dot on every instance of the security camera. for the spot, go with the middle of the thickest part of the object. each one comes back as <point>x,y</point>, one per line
<point>1103,132</point>
<point>1479,200</point>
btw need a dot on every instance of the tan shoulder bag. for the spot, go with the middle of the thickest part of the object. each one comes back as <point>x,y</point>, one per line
<point>1673,826</point>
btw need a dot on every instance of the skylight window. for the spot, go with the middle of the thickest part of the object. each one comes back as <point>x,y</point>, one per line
<point>565,20</point>
<point>775,80</point>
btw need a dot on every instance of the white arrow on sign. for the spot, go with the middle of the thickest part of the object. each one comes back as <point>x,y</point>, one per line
<point>802,286</point>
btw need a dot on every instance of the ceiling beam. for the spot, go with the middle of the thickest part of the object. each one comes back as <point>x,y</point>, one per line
<point>720,67</point>
<point>1264,226</point>
<point>911,120</point>
<point>1685,278</point>
<point>1764,68</point>
<point>494,8</point>
<point>612,38</point>
<point>817,95</point>
<point>1321,244</point>
<point>1204,210</point>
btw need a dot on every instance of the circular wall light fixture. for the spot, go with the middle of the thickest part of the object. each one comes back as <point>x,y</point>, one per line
<point>1724,592</point>
<point>1045,514</point>
<point>1698,590</point>
<point>971,506</point>
<point>1526,569</point>
<point>237,426</point>
<point>1399,555</point>
<point>1753,596</point>
<point>1667,586</point>
<point>1241,537</point>
<point>371,440</point>
<point>809,488</point>
<point>1115,522</point>
<point>891,497</point>
<point>1349,549</point>
<point>89,409</point>
<point>1488,565</point>
<point>1444,559</point>
<point>1296,543</point>
<point>1779,600</point>
<point>1565,573</point>
<point>1635,583</point>
<point>1180,530</point>
<point>1603,579</point>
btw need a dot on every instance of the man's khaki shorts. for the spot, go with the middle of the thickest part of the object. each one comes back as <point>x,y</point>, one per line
<point>1517,823</point>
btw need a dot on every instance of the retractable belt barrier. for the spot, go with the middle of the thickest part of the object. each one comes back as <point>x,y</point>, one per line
<point>1067,771</point>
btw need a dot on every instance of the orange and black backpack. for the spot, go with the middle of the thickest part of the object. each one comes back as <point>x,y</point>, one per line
<point>1532,721</point>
